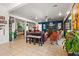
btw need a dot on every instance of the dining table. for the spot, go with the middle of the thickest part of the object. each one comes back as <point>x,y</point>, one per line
<point>34,36</point>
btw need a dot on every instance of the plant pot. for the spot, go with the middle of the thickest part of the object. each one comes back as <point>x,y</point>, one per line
<point>70,54</point>
<point>73,54</point>
<point>76,54</point>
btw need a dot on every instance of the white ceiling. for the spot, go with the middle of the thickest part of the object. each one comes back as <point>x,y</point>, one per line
<point>9,6</point>
<point>40,10</point>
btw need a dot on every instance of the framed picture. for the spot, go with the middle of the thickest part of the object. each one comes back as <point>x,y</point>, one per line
<point>2,24</point>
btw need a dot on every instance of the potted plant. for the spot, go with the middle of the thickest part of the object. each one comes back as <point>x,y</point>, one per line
<point>72,43</point>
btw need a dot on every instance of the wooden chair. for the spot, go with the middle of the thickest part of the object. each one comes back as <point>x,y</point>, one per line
<point>54,37</point>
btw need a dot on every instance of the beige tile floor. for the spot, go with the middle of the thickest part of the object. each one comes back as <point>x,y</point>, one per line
<point>20,48</point>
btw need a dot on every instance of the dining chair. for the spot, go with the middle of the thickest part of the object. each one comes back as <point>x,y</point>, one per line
<point>54,37</point>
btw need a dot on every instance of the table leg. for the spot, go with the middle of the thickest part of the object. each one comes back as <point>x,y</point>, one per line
<point>40,42</point>
<point>30,40</point>
<point>34,41</point>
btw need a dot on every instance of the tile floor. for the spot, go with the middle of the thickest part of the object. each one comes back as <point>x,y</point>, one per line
<point>20,48</point>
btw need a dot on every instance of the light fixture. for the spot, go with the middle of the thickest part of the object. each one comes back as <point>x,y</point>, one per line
<point>36,17</point>
<point>46,18</point>
<point>59,14</point>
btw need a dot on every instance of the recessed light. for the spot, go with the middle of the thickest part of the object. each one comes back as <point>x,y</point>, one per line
<point>59,14</point>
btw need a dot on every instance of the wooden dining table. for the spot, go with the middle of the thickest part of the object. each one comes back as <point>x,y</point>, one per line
<point>33,36</point>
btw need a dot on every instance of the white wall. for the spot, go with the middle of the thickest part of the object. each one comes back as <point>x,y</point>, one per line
<point>4,38</point>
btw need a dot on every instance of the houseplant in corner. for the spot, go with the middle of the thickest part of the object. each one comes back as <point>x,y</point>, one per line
<point>72,43</point>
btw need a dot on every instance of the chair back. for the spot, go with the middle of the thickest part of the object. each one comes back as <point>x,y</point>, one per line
<point>54,36</point>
